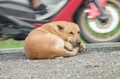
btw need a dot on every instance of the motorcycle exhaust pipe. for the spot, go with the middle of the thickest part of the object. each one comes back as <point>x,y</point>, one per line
<point>20,23</point>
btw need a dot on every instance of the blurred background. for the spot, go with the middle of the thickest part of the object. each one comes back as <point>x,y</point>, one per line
<point>93,30</point>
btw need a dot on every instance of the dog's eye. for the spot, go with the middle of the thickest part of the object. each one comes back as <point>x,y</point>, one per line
<point>71,33</point>
<point>78,32</point>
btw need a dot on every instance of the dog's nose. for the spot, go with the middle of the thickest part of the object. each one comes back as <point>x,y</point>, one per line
<point>78,42</point>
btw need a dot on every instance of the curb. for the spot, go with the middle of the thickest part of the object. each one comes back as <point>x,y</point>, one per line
<point>113,46</point>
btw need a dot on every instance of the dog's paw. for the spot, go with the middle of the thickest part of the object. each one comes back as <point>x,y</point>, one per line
<point>81,47</point>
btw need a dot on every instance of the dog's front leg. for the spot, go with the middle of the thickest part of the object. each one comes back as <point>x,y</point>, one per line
<point>68,46</point>
<point>76,50</point>
<point>73,52</point>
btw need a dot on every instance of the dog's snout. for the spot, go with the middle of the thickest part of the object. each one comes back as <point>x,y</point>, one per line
<point>78,42</point>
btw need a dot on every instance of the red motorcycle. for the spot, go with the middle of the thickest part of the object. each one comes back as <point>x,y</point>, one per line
<point>98,19</point>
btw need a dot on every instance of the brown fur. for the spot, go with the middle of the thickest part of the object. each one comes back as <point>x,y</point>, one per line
<point>52,40</point>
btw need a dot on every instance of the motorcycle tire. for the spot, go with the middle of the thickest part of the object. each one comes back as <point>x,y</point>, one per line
<point>119,0</point>
<point>94,36</point>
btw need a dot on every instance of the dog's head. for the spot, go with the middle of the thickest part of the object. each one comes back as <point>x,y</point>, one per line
<point>69,32</point>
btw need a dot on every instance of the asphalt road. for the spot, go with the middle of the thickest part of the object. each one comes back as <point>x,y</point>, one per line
<point>99,61</point>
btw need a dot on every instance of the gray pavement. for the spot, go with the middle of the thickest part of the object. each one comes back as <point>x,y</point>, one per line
<point>99,61</point>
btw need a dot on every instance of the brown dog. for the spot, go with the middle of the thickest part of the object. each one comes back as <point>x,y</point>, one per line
<point>52,40</point>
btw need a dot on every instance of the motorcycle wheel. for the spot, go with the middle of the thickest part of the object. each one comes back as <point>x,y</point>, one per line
<point>103,32</point>
<point>118,0</point>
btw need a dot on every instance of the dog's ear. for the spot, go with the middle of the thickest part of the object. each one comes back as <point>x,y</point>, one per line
<point>60,27</point>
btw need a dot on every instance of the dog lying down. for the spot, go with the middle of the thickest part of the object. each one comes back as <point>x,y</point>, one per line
<point>52,40</point>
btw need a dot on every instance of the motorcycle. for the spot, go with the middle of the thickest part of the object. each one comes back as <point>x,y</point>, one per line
<point>98,19</point>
